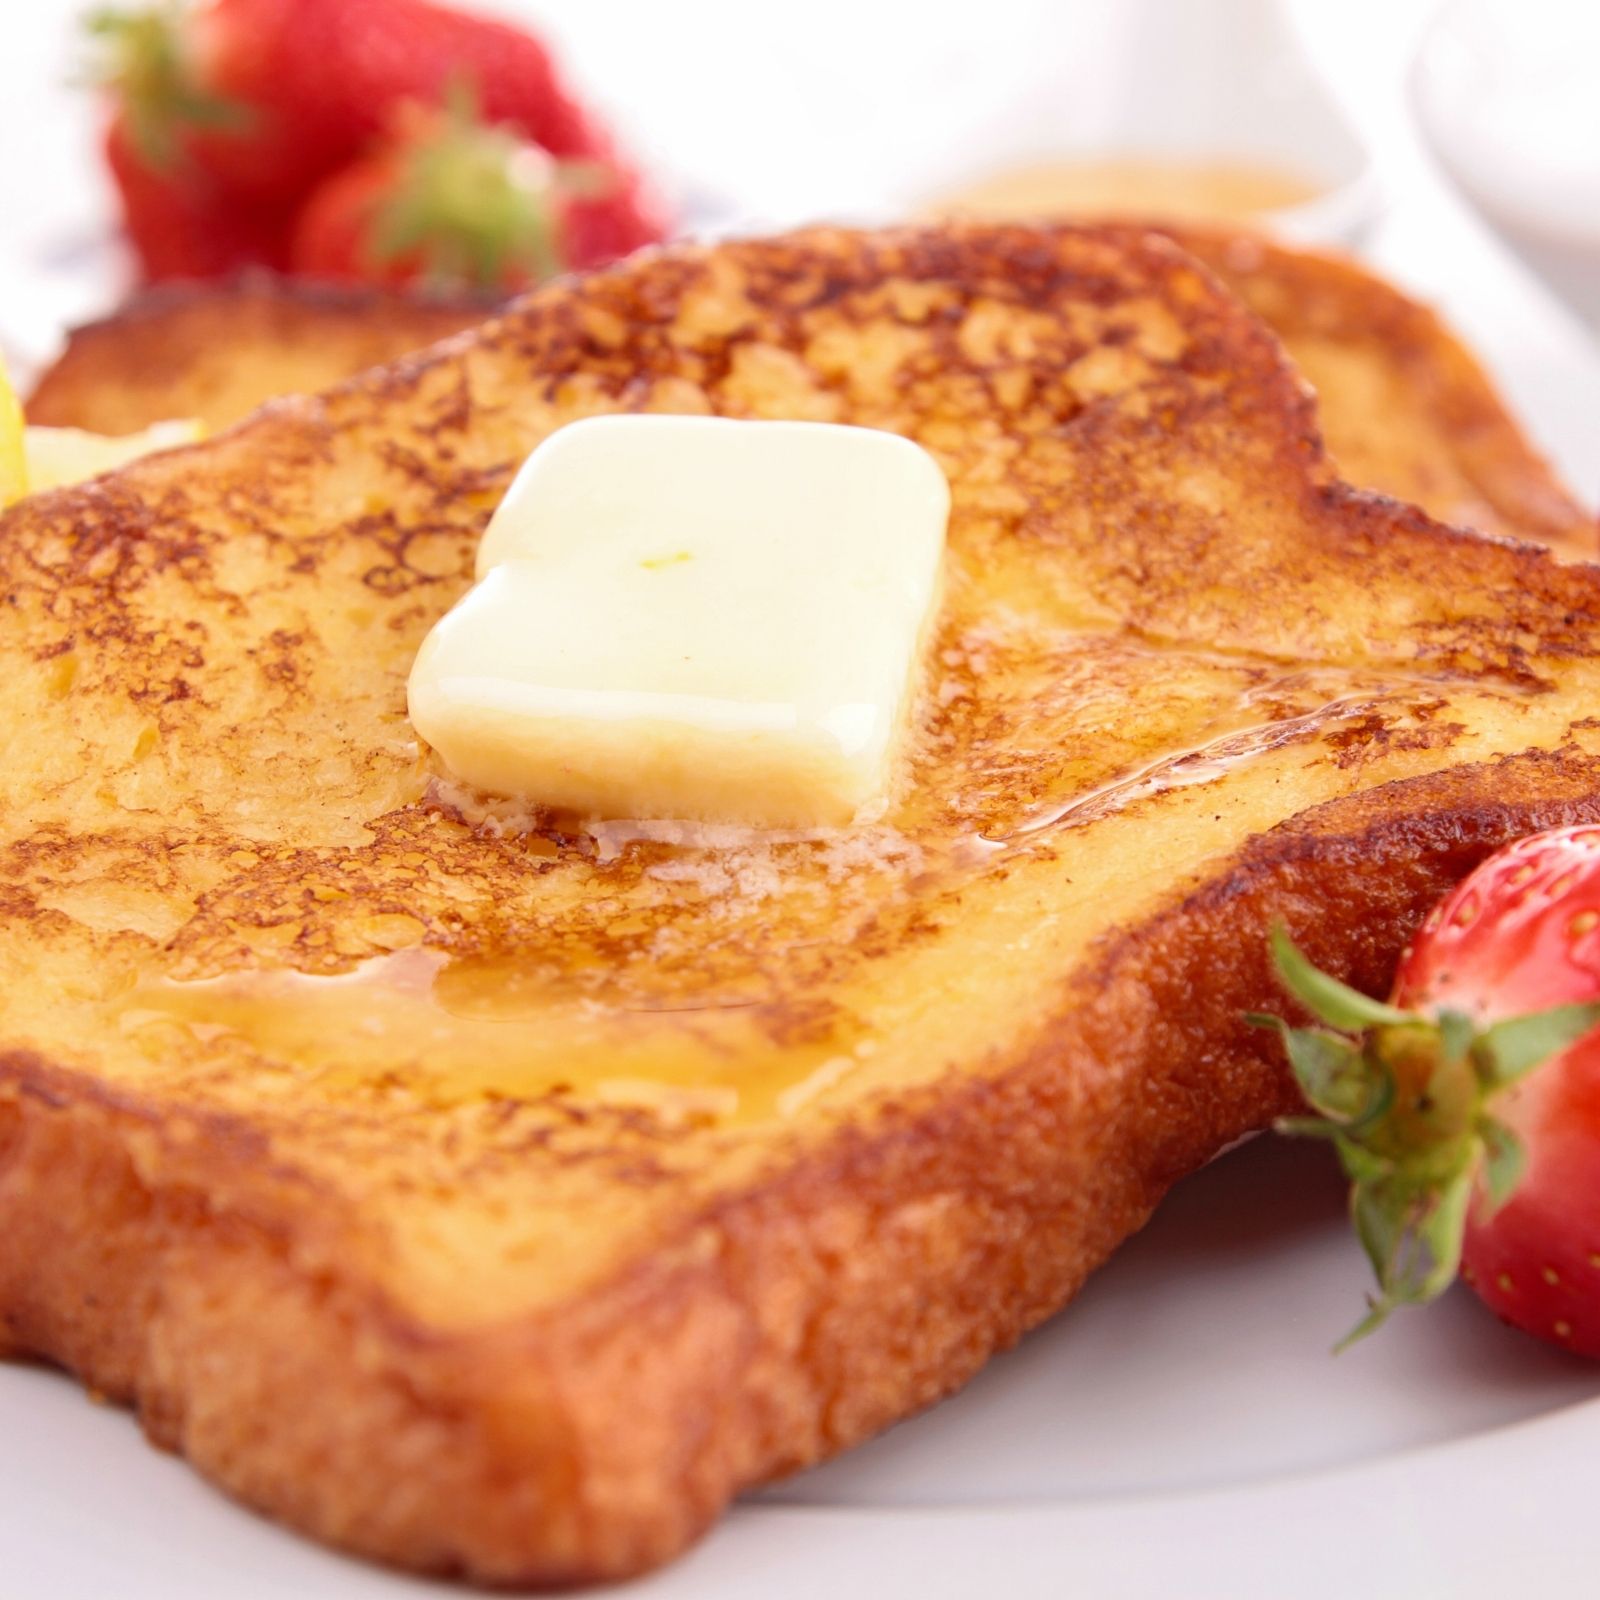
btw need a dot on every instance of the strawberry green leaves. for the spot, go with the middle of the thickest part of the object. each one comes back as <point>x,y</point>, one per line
<point>472,199</point>
<point>1412,1234</point>
<point>1406,1100</point>
<point>1519,1044</point>
<point>143,58</point>
<point>1332,1076</point>
<point>1330,1001</point>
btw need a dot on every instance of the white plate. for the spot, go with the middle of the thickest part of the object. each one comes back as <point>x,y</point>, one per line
<point>1183,1423</point>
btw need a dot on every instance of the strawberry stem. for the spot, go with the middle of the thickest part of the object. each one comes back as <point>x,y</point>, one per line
<point>143,60</point>
<point>1405,1098</point>
<point>1323,996</point>
<point>477,203</point>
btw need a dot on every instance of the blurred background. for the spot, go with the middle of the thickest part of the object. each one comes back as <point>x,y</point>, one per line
<point>1448,145</point>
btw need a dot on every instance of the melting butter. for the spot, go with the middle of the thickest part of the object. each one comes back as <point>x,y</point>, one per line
<point>692,617</point>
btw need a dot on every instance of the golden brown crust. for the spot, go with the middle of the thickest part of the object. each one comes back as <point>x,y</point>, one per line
<point>216,351</point>
<point>1183,681</point>
<point>1405,407</point>
<point>220,1337</point>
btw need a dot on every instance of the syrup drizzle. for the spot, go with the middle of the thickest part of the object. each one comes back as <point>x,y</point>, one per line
<point>419,1022</point>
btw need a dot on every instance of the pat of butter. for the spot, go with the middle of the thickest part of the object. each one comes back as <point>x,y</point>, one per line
<point>692,617</point>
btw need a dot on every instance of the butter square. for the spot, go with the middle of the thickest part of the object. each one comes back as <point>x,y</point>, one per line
<point>693,617</point>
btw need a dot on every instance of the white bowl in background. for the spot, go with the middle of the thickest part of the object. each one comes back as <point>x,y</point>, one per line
<point>1505,93</point>
<point>1181,83</point>
<point>1195,84</point>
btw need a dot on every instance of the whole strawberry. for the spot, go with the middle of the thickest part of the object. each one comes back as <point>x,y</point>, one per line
<point>265,97</point>
<point>450,201</point>
<point>187,114</point>
<point>230,113</point>
<point>340,67</point>
<point>1467,1110</point>
<point>180,224</point>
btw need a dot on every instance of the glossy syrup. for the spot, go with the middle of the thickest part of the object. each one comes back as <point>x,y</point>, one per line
<point>448,1030</point>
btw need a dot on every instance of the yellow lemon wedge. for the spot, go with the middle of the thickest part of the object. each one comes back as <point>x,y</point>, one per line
<point>49,458</point>
<point>13,454</point>
<point>60,456</point>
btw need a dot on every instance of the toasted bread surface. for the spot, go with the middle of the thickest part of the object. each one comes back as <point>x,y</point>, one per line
<point>495,1194</point>
<point>215,352</point>
<point>1405,407</point>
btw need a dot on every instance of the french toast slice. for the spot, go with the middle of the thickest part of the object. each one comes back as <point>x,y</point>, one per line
<point>216,351</point>
<point>499,1195</point>
<point>1403,406</point>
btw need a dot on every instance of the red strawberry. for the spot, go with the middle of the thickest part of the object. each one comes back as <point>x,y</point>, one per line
<point>268,96</point>
<point>186,116</point>
<point>1468,1114</point>
<point>342,66</point>
<point>180,226</point>
<point>607,215</point>
<point>451,201</point>
<point>263,100</point>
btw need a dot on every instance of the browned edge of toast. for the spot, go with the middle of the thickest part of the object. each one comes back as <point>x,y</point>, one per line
<point>215,351</point>
<point>1309,295</point>
<point>286,1384</point>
